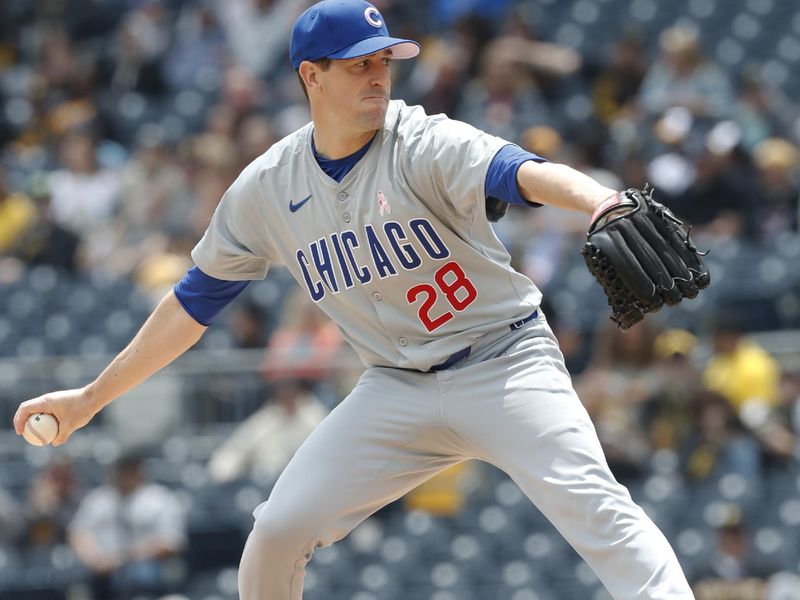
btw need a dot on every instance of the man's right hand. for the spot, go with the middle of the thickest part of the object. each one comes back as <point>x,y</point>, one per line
<point>166,334</point>
<point>72,408</point>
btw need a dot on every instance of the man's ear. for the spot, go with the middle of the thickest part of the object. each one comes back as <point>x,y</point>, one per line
<point>308,71</point>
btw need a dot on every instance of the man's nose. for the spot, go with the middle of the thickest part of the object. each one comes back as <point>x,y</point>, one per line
<point>381,76</point>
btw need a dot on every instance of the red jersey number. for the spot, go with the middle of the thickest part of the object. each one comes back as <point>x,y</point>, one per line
<point>456,287</point>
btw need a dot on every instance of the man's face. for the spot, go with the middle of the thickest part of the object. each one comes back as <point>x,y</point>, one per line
<point>357,90</point>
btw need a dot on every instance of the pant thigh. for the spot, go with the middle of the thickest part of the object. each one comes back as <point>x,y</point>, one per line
<point>383,440</point>
<point>520,412</point>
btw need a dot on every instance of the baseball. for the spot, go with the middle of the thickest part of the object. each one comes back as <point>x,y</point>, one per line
<point>40,429</point>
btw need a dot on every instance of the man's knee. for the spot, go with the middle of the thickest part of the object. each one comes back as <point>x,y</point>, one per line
<point>282,531</point>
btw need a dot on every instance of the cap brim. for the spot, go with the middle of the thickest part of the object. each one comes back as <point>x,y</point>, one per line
<point>401,49</point>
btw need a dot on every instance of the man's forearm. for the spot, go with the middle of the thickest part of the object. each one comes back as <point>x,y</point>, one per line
<point>562,186</point>
<point>166,334</point>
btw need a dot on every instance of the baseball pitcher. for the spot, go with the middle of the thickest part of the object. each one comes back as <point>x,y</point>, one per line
<point>379,211</point>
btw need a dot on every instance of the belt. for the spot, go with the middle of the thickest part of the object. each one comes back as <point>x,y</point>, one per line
<point>518,324</point>
<point>464,353</point>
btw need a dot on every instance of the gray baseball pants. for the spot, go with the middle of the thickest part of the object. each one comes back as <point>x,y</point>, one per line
<point>511,404</point>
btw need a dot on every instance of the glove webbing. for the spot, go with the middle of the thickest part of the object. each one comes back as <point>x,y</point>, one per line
<point>617,292</point>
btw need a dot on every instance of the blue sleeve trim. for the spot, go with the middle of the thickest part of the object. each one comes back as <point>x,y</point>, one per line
<point>203,296</point>
<point>501,178</point>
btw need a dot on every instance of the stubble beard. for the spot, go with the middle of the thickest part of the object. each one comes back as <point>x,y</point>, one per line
<point>373,119</point>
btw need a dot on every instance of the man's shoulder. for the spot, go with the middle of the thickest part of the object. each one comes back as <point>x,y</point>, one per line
<point>415,126</point>
<point>284,150</point>
<point>280,154</point>
<point>404,116</point>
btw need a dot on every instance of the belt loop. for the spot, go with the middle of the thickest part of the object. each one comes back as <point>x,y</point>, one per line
<point>518,324</point>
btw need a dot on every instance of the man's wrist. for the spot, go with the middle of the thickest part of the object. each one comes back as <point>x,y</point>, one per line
<point>93,398</point>
<point>604,205</point>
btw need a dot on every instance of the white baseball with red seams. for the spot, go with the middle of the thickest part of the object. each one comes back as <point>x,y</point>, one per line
<point>40,429</point>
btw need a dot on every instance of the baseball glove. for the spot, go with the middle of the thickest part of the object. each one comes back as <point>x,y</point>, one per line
<point>641,255</point>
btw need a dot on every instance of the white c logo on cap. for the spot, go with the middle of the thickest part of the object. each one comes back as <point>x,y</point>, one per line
<point>373,17</point>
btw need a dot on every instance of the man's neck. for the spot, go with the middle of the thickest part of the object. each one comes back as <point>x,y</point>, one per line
<point>334,146</point>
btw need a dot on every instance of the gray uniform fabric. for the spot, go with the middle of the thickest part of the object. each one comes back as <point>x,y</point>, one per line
<point>400,255</point>
<point>358,256</point>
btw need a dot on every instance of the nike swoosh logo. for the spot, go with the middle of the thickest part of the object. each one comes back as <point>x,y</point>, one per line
<point>295,206</point>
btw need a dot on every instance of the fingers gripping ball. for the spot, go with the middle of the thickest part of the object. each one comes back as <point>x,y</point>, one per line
<point>642,256</point>
<point>40,429</point>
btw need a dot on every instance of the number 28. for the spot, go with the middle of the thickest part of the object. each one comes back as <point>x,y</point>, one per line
<point>458,285</point>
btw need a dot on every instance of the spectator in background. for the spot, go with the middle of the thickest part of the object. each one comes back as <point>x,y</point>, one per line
<point>740,370</point>
<point>154,196</point>
<point>667,414</point>
<point>732,570</point>
<point>52,500</point>
<point>197,53</point>
<point>717,200</point>
<point>17,214</point>
<point>52,78</point>
<point>134,60</point>
<point>672,170</point>
<point>254,136</point>
<point>243,92</point>
<point>544,59</point>
<point>57,60</point>
<point>629,352</point>
<point>616,84</point>
<point>300,355</point>
<point>154,201</point>
<point>45,242</point>
<point>211,167</point>
<point>683,77</point>
<point>719,445</point>
<point>83,194</point>
<point>247,325</point>
<point>305,346</point>
<point>438,76</point>
<point>257,31</point>
<point>762,110</point>
<point>619,379</point>
<point>775,208</point>
<point>125,532</point>
<point>778,428</point>
<point>263,444</point>
<point>503,99</point>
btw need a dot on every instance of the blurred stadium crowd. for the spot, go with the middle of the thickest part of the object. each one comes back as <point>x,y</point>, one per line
<point>122,122</point>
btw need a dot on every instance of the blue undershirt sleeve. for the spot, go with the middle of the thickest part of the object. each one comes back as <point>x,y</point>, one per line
<point>203,296</point>
<point>501,178</point>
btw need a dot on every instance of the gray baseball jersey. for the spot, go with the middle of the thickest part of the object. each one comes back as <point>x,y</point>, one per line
<point>399,254</point>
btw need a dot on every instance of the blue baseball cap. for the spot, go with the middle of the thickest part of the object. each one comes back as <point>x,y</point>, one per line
<point>341,29</point>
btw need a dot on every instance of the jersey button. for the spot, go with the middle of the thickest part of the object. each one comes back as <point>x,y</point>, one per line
<point>402,341</point>
<point>377,296</point>
<point>346,217</point>
<point>342,196</point>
